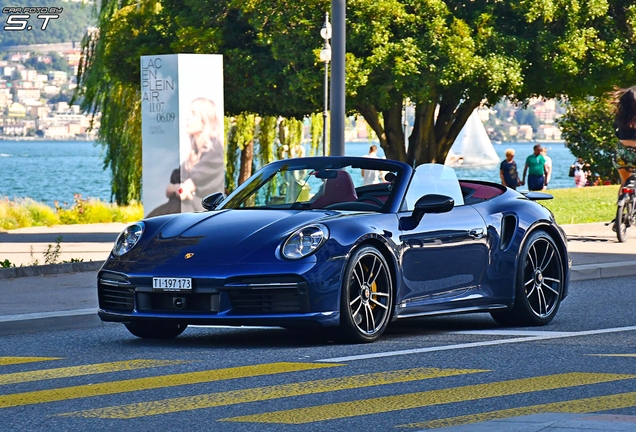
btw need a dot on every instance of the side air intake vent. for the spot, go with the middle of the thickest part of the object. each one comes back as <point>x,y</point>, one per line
<point>508,227</point>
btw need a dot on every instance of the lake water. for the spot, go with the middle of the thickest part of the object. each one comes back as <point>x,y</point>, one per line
<point>49,171</point>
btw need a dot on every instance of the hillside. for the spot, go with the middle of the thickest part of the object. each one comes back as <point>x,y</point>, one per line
<point>71,25</point>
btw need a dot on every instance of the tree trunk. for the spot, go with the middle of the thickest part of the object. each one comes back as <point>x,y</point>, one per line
<point>391,139</point>
<point>247,158</point>
<point>434,131</point>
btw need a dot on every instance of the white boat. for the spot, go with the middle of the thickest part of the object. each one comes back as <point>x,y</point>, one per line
<point>473,147</point>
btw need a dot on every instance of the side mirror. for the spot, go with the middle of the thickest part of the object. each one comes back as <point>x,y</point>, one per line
<point>211,201</point>
<point>431,203</point>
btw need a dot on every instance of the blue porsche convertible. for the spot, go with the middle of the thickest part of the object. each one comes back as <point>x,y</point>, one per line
<point>304,242</point>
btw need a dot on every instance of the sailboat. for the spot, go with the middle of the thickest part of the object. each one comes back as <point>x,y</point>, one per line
<point>472,147</point>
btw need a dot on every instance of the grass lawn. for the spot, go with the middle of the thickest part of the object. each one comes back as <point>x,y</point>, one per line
<point>570,206</point>
<point>583,205</point>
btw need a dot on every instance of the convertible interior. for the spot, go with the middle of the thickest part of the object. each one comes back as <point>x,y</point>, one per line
<point>340,194</point>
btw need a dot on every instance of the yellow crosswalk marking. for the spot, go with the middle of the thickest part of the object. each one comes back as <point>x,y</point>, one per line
<point>114,387</point>
<point>73,371</point>
<point>268,393</point>
<point>578,406</point>
<point>428,398</point>
<point>5,361</point>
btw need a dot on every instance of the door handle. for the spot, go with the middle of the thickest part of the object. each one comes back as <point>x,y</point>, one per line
<point>476,233</point>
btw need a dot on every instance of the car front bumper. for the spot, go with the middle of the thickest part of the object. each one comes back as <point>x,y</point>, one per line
<point>280,294</point>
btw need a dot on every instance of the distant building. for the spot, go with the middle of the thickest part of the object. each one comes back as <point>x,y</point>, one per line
<point>525,133</point>
<point>29,74</point>
<point>545,110</point>
<point>17,110</point>
<point>28,94</point>
<point>20,57</point>
<point>4,99</point>
<point>549,132</point>
<point>58,76</point>
<point>50,90</point>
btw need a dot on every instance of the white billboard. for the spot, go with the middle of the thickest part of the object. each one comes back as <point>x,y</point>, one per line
<point>182,131</point>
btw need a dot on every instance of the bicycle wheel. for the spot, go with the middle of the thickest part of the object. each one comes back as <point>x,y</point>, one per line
<point>623,219</point>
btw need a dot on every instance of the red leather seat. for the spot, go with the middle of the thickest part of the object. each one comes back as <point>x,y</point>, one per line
<point>337,190</point>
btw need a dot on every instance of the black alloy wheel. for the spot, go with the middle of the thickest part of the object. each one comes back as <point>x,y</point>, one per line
<point>367,296</point>
<point>539,283</point>
<point>155,329</point>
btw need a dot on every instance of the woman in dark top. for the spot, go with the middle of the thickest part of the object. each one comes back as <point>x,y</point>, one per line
<point>625,126</point>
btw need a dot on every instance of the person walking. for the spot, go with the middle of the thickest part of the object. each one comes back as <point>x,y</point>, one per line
<point>371,176</point>
<point>535,167</point>
<point>548,166</point>
<point>508,171</point>
<point>580,175</point>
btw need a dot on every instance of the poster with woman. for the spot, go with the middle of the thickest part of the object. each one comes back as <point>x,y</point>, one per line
<point>182,128</point>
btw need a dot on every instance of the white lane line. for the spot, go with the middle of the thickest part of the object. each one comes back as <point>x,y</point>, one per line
<point>504,332</point>
<point>555,335</point>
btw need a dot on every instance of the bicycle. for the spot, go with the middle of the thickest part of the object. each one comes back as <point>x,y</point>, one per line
<point>626,208</point>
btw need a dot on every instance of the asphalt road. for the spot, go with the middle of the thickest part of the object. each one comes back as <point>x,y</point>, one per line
<point>424,373</point>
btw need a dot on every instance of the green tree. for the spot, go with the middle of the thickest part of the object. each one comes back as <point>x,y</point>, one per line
<point>587,127</point>
<point>108,84</point>
<point>446,56</point>
<point>450,56</point>
<point>255,82</point>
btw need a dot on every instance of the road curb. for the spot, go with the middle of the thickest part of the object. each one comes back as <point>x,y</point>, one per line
<point>602,271</point>
<point>40,270</point>
<point>47,321</point>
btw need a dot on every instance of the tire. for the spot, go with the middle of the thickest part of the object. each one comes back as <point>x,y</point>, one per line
<point>366,298</point>
<point>622,222</point>
<point>538,285</point>
<point>155,330</point>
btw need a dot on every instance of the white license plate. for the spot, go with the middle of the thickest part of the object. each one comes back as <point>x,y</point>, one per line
<point>171,284</point>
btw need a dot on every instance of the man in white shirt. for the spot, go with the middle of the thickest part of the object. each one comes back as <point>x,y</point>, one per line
<point>548,166</point>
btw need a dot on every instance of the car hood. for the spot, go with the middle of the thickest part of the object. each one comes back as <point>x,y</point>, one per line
<point>225,236</point>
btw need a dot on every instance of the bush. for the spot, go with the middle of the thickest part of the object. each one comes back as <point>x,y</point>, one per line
<point>41,214</point>
<point>96,211</point>
<point>15,214</point>
<point>8,223</point>
<point>25,212</point>
<point>587,128</point>
<point>130,213</point>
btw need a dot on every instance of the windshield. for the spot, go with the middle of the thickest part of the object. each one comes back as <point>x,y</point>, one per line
<point>307,186</point>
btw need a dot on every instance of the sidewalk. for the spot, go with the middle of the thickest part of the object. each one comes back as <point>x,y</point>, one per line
<point>65,295</point>
<point>88,242</point>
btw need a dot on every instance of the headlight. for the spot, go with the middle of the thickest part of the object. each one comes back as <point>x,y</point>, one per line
<point>305,241</point>
<point>128,238</point>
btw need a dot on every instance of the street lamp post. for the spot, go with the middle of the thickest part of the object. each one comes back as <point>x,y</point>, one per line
<point>325,56</point>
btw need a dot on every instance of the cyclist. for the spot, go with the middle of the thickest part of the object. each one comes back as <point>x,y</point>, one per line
<point>624,160</point>
<point>625,126</point>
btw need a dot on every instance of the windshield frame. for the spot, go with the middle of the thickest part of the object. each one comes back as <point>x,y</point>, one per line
<point>259,178</point>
